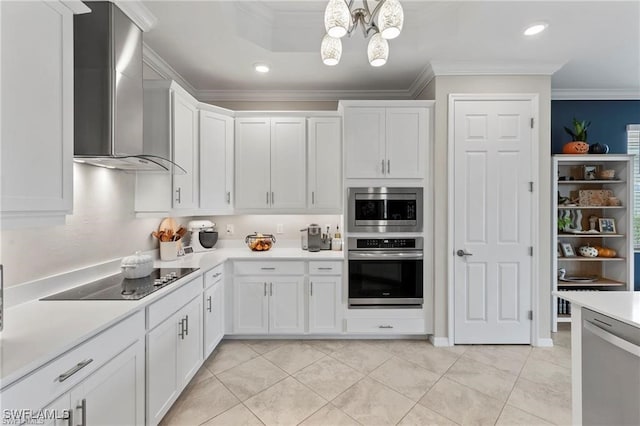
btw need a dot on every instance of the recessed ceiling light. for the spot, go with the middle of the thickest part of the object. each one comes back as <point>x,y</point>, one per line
<point>263,68</point>
<point>536,28</point>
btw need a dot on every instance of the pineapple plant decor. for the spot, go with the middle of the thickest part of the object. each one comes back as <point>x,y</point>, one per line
<point>578,144</point>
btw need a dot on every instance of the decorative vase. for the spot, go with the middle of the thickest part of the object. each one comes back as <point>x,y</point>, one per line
<point>575,147</point>
<point>598,148</point>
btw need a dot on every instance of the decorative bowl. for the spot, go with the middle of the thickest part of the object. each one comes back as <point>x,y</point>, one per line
<point>260,242</point>
<point>607,174</point>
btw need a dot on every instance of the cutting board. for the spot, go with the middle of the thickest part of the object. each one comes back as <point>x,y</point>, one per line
<point>168,223</point>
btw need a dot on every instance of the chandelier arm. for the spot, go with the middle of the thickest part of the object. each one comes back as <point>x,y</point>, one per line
<point>376,9</point>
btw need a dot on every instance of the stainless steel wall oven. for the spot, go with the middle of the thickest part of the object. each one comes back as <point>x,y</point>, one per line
<point>385,272</point>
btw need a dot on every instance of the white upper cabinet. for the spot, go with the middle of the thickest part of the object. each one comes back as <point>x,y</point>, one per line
<point>216,162</point>
<point>385,142</point>
<point>37,112</point>
<point>324,191</point>
<point>170,131</point>
<point>270,163</point>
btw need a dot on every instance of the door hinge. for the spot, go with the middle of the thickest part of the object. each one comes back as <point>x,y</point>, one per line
<point>530,315</point>
<point>530,250</point>
<point>530,186</point>
<point>532,121</point>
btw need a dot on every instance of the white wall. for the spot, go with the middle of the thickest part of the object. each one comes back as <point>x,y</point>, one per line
<point>102,227</point>
<point>441,87</point>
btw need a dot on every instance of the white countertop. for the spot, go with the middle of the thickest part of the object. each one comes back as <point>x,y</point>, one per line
<point>621,305</point>
<point>38,331</point>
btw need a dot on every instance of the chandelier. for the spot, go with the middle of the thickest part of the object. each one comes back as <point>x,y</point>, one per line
<point>383,23</point>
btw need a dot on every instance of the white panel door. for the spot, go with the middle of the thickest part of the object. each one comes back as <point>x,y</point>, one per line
<point>113,395</point>
<point>162,362</point>
<point>492,221</point>
<point>37,107</point>
<point>216,162</point>
<point>250,305</point>
<point>406,128</point>
<point>364,138</point>
<point>213,317</point>
<point>288,163</point>
<point>253,163</point>
<point>185,143</point>
<point>286,305</point>
<point>325,305</point>
<point>61,407</point>
<point>325,164</point>
<point>190,347</point>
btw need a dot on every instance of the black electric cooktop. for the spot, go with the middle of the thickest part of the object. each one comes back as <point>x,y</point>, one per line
<point>116,287</point>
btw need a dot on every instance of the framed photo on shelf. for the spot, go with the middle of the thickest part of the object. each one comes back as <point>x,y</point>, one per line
<point>559,250</point>
<point>567,250</point>
<point>607,225</point>
<point>589,173</point>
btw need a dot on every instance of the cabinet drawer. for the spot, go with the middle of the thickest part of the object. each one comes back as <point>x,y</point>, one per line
<point>325,268</point>
<point>213,276</point>
<point>268,268</point>
<point>55,378</point>
<point>386,325</point>
<point>163,308</point>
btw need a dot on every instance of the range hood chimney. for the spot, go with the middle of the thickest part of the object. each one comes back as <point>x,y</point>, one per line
<point>108,108</point>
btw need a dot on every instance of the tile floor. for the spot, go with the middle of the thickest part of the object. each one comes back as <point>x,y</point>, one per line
<point>378,382</point>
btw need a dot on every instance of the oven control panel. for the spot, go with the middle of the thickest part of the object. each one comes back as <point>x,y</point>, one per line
<point>386,243</point>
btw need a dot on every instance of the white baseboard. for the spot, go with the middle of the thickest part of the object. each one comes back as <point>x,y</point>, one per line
<point>440,341</point>
<point>546,342</point>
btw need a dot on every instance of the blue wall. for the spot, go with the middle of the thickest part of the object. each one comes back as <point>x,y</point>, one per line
<point>609,121</point>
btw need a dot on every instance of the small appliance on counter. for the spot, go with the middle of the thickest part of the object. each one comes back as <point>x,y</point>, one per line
<point>203,235</point>
<point>315,240</point>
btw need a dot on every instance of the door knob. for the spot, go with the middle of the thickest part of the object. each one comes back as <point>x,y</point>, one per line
<point>463,253</point>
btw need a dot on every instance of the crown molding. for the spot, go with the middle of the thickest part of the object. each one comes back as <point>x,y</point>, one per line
<point>494,68</point>
<point>595,94</point>
<point>138,13</point>
<point>298,95</point>
<point>166,71</point>
<point>421,81</point>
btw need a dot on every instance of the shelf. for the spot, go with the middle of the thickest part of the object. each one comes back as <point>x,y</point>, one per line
<point>591,259</point>
<point>602,282</point>
<point>590,207</point>
<point>594,182</point>
<point>564,318</point>
<point>590,235</point>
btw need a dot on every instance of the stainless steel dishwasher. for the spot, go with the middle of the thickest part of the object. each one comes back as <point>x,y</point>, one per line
<point>610,371</point>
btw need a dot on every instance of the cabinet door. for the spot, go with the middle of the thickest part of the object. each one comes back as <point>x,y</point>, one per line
<point>37,136</point>
<point>288,163</point>
<point>216,162</point>
<point>325,300</point>
<point>364,132</point>
<point>213,317</point>
<point>286,305</point>
<point>406,133</point>
<point>250,305</point>
<point>162,362</point>
<point>190,344</point>
<point>114,394</point>
<point>185,142</point>
<point>253,167</point>
<point>325,164</point>
<point>60,408</point>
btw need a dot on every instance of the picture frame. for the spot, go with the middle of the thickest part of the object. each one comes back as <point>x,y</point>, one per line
<point>607,225</point>
<point>567,250</point>
<point>559,250</point>
<point>589,172</point>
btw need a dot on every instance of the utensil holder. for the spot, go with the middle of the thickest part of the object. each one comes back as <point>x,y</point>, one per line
<point>168,250</point>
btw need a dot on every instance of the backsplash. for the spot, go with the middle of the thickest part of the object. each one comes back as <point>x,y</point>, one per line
<point>102,227</point>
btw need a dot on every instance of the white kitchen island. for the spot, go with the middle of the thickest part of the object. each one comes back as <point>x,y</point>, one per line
<point>621,306</point>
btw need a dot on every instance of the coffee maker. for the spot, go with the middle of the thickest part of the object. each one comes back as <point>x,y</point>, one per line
<point>314,240</point>
<point>203,235</point>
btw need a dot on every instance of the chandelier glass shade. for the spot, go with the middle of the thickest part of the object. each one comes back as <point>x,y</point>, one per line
<point>383,22</point>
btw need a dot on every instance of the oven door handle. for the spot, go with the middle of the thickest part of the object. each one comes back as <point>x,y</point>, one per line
<point>381,255</point>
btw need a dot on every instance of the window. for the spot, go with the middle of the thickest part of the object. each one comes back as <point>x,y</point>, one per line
<point>633,147</point>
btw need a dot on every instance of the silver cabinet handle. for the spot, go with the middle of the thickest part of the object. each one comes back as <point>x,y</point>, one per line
<point>311,283</point>
<point>267,197</point>
<point>71,418</point>
<point>462,253</point>
<point>325,269</point>
<point>178,195</point>
<point>382,166</point>
<point>268,269</point>
<point>181,332</point>
<point>385,326</point>
<point>209,303</point>
<point>272,199</point>
<point>186,325</point>
<point>270,289</point>
<point>79,366</point>
<point>228,197</point>
<point>388,166</point>
<point>265,289</point>
<point>313,197</point>
<point>83,408</point>
<point>217,274</point>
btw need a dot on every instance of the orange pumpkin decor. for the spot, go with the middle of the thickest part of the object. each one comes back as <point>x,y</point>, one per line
<point>575,147</point>
<point>606,252</point>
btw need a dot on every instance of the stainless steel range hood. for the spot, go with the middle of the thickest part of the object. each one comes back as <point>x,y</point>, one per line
<point>108,92</point>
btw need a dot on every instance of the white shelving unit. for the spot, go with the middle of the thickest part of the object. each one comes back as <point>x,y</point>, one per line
<point>608,273</point>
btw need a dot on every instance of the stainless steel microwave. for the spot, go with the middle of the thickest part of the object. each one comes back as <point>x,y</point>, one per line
<point>385,209</point>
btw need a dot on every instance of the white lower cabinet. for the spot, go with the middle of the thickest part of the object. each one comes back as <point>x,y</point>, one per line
<point>174,354</point>
<point>213,318</point>
<point>268,304</point>
<point>325,307</point>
